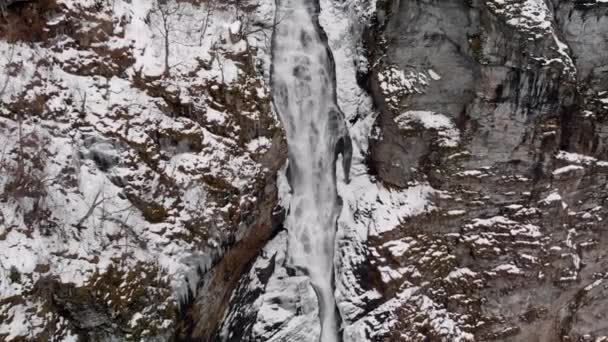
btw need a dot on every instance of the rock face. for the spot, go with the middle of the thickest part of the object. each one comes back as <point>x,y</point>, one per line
<point>139,150</point>
<point>497,105</point>
<point>476,205</point>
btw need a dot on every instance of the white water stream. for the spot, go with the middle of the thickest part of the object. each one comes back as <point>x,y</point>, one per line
<point>304,96</point>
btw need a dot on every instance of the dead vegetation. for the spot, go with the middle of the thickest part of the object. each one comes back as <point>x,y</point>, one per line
<point>24,170</point>
<point>26,178</point>
<point>91,310</point>
<point>26,21</point>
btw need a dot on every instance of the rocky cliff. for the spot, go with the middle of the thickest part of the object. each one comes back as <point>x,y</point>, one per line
<point>500,106</point>
<point>144,183</point>
<point>139,147</point>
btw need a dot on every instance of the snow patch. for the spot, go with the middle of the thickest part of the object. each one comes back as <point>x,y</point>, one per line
<point>449,135</point>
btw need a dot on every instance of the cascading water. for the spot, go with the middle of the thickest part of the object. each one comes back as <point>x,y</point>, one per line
<point>303,85</point>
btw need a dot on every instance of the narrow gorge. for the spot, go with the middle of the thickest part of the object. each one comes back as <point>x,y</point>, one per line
<point>304,170</point>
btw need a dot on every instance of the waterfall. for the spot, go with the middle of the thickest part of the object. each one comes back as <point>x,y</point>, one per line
<point>304,95</point>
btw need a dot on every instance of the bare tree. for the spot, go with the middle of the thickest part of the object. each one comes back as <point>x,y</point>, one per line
<point>165,14</point>
<point>26,174</point>
<point>4,5</point>
<point>250,28</point>
<point>7,70</point>
<point>96,202</point>
<point>220,62</point>
<point>205,24</point>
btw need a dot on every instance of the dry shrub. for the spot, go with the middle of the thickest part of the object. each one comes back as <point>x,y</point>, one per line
<point>27,21</point>
<point>25,178</point>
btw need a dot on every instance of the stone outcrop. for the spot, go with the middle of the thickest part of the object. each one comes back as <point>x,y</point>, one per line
<point>515,241</point>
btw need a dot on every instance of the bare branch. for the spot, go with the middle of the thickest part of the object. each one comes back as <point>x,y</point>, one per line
<point>9,60</point>
<point>92,208</point>
<point>210,9</point>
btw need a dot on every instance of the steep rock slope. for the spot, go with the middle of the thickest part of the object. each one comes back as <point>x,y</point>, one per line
<point>498,104</point>
<point>475,207</point>
<point>139,147</point>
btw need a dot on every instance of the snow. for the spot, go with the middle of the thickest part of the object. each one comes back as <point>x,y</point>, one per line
<point>396,83</point>
<point>235,27</point>
<point>339,21</point>
<point>529,258</point>
<point>399,247</point>
<point>286,309</point>
<point>386,207</point>
<point>95,120</point>
<point>460,273</point>
<point>456,212</point>
<point>526,230</point>
<point>296,325</point>
<point>388,274</point>
<point>384,318</point>
<point>563,49</point>
<point>394,80</point>
<point>580,159</point>
<point>449,135</point>
<point>20,324</point>
<point>283,187</point>
<point>533,15</point>
<point>552,197</point>
<point>567,169</point>
<point>489,222</point>
<point>514,206</point>
<point>216,116</point>
<point>508,269</point>
<point>598,281</point>
<point>257,144</point>
<point>534,18</point>
<point>471,173</point>
<point>369,208</point>
<point>435,76</point>
<point>344,24</point>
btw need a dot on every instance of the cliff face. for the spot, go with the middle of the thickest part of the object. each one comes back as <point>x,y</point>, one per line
<point>144,184</point>
<point>139,148</point>
<point>500,106</point>
<point>475,209</point>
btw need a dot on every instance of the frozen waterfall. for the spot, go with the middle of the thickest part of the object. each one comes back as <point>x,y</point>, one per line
<point>303,85</point>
